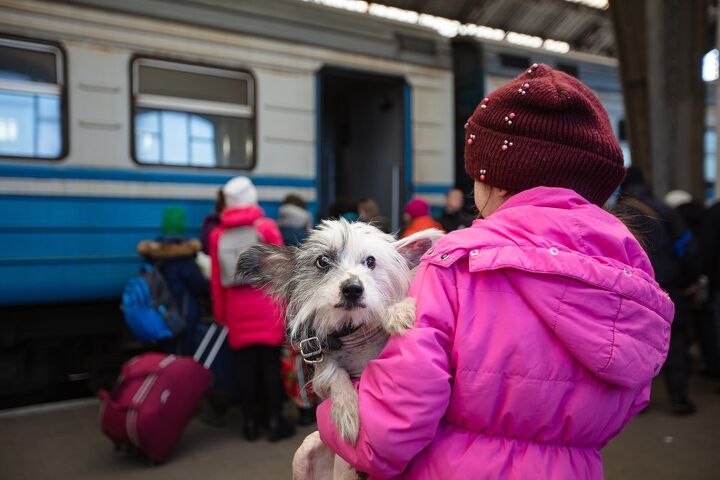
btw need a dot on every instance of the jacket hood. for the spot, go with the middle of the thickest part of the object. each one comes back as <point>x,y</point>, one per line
<point>293,216</point>
<point>592,283</point>
<point>240,216</point>
<point>170,248</point>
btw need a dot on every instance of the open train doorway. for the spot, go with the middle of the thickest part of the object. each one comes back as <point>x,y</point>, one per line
<point>364,143</point>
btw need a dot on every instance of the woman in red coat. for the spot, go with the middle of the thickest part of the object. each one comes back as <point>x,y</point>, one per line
<point>417,217</point>
<point>254,321</point>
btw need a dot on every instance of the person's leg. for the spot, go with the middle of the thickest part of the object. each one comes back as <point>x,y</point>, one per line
<point>716,326</point>
<point>708,340</point>
<point>278,427</point>
<point>215,409</point>
<point>677,365</point>
<point>247,367</point>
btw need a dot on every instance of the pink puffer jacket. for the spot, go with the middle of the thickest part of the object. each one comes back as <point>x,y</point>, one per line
<point>538,333</point>
<point>251,316</point>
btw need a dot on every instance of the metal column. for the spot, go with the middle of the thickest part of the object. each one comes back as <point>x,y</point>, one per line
<point>660,48</point>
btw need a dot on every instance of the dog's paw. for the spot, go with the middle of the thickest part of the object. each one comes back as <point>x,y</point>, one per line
<point>401,316</point>
<point>345,415</point>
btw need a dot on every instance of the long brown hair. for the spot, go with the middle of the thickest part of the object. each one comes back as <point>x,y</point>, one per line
<point>219,201</point>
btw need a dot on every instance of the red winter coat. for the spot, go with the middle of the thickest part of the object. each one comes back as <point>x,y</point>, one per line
<point>419,224</point>
<point>251,316</point>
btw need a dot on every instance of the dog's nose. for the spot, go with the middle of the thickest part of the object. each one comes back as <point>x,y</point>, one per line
<point>352,289</point>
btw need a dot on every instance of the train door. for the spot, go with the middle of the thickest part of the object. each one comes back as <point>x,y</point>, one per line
<point>363,140</point>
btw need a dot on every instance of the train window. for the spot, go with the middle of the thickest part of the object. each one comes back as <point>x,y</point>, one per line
<point>622,130</point>
<point>568,68</point>
<point>514,61</point>
<point>710,167</point>
<point>192,116</point>
<point>32,120</point>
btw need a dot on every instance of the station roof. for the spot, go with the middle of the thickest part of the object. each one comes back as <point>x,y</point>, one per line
<point>587,29</point>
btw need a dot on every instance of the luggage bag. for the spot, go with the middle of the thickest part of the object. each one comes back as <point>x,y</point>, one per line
<point>155,396</point>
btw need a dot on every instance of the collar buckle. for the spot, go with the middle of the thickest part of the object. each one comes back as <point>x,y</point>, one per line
<point>311,350</point>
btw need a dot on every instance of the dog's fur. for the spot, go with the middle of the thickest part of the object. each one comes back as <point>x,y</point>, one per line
<point>308,280</point>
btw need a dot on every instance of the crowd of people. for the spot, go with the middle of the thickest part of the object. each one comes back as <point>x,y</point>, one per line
<point>680,236</point>
<point>455,215</point>
<point>255,363</point>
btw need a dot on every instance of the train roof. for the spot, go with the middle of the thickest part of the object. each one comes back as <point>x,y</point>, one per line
<point>290,20</point>
<point>587,29</point>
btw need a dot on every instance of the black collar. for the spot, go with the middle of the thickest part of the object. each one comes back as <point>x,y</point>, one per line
<point>312,348</point>
<point>334,341</point>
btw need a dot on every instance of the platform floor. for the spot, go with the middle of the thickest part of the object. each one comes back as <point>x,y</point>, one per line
<point>66,443</point>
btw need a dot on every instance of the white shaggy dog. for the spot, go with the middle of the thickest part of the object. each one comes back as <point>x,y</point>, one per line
<point>345,290</point>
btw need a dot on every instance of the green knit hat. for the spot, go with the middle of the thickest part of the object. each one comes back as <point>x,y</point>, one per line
<point>173,222</point>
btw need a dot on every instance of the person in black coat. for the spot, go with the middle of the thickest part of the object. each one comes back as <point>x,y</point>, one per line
<point>454,216</point>
<point>294,221</point>
<point>369,212</point>
<point>665,237</point>
<point>710,259</point>
<point>211,221</point>
<point>175,257</point>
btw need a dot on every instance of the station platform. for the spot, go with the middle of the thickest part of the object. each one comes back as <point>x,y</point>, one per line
<point>63,441</point>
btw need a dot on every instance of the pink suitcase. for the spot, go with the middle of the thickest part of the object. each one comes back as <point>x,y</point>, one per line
<point>155,397</point>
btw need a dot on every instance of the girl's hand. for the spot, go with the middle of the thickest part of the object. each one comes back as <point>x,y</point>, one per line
<point>313,460</point>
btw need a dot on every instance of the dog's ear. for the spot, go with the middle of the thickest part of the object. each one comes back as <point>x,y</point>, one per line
<point>415,246</point>
<point>266,266</point>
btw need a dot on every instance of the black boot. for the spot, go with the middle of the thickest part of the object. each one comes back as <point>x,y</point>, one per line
<point>251,430</point>
<point>215,410</point>
<point>279,428</point>
<point>680,404</point>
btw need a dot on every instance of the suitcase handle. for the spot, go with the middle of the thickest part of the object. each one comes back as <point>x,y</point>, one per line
<point>215,347</point>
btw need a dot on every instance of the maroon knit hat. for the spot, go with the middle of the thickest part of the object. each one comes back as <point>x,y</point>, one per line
<point>544,128</point>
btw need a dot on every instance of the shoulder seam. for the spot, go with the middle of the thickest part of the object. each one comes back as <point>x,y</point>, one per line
<point>614,332</point>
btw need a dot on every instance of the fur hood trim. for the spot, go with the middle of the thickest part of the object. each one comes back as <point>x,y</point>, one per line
<point>162,250</point>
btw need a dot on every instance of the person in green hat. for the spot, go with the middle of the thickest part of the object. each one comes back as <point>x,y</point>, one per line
<point>174,255</point>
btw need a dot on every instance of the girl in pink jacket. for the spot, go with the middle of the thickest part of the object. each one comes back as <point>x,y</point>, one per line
<point>254,321</point>
<point>539,329</point>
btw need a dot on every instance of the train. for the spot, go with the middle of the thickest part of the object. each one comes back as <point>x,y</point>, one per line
<point>111,112</point>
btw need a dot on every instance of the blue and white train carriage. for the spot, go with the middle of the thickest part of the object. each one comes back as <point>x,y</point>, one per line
<point>112,111</point>
<point>106,118</point>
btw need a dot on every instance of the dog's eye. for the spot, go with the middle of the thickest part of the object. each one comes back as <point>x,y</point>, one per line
<point>370,262</point>
<point>323,262</point>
